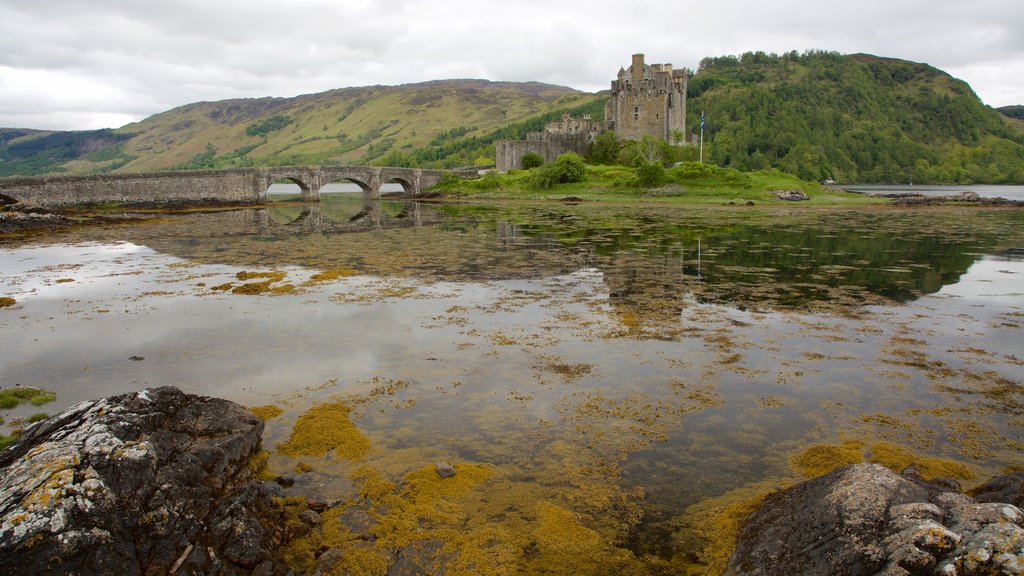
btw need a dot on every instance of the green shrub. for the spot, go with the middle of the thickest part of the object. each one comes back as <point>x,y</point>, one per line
<point>264,127</point>
<point>532,160</point>
<point>570,167</point>
<point>650,174</point>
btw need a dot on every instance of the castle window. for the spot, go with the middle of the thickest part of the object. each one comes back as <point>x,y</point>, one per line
<point>636,112</point>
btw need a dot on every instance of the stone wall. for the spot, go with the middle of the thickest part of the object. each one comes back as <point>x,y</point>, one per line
<point>206,186</point>
<point>154,187</point>
<point>549,145</point>
<point>509,153</point>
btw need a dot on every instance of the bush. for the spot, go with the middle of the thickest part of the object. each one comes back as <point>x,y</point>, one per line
<point>566,168</point>
<point>650,174</point>
<point>532,160</point>
<point>264,127</point>
<point>570,167</point>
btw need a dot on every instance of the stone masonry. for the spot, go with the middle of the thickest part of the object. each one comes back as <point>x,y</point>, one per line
<point>646,100</point>
<point>207,186</point>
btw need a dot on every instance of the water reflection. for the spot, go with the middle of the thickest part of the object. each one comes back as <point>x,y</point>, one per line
<point>623,363</point>
<point>753,259</point>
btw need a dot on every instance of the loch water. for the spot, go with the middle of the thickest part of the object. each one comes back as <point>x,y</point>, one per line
<point>628,364</point>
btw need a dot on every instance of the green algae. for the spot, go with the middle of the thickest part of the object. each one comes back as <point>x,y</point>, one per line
<point>268,412</point>
<point>823,458</point>
<point>898,458</point>
<point>326,428</point>
<point>709,529</point>
<point>330,275</point>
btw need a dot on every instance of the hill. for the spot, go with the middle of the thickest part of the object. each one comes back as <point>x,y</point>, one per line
<point>819,115</point>
<point>852,118</point>
<point>349,126</point>
<point>1012,111</point>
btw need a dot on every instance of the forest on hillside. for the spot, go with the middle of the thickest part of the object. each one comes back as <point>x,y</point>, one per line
<point>819,115</point>
<point>852,118</point>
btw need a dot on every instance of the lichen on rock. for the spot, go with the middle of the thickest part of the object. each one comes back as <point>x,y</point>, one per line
<point>137,483</point>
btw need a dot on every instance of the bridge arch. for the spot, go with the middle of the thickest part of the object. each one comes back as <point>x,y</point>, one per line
<point>364,186</point>
<point>409,187</point>
<point>307,178</point>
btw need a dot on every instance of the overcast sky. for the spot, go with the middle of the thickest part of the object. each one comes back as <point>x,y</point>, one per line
<point>82,64</point>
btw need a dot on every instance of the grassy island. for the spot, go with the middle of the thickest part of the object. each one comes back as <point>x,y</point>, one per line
<point>569,177</point>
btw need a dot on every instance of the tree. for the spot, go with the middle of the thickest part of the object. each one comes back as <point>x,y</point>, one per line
<point>605,149</point>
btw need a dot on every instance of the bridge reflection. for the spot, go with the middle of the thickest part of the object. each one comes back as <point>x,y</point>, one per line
<point>369,214</point>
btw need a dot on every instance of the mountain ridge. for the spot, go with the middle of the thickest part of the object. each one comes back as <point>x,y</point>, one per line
<point>820,115</point>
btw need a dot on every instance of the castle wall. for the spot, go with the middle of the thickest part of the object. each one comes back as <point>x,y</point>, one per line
<point>549,145</point>
<point>647,100</point>
<point>509,153</point>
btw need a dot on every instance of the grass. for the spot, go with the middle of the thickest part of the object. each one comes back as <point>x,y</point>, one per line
<point>690,183</point>
<point>11,397</point>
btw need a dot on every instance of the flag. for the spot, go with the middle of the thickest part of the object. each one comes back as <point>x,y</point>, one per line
<point>701,119</point>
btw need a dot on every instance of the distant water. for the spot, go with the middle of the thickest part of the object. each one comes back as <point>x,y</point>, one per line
<point>983,190</point>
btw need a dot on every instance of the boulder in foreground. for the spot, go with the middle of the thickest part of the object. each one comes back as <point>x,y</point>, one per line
<point>866,520</point>
<point>152,482</point>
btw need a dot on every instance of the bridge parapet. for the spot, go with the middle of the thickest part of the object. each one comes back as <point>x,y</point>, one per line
<point>208,186</point>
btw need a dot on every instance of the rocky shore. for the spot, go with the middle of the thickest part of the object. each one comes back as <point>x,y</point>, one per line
<point>161,482</point>
<point>866,520</point>
<point>153,482</point>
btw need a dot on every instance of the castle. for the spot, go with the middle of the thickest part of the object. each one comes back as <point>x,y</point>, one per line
<point>646,100</point>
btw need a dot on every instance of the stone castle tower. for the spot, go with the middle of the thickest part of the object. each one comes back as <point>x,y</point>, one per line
<point>645,101</point>
<point>648,100</point>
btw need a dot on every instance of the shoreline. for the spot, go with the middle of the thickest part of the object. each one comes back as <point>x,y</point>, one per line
<point>17,219</point>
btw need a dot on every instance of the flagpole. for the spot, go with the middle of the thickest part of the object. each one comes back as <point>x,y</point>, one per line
<point>701,136</point>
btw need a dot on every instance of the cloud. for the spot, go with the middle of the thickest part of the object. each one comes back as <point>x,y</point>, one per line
<point>68,64</point>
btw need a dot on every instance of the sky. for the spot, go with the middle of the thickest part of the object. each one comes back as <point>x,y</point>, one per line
<point>77,64</point>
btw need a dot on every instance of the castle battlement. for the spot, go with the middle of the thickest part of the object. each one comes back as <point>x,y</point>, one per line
<point>646,100</point>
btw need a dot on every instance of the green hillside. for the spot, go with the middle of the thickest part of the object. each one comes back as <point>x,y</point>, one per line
<point>819,115</point>
<point>1012,111</point>
<point>346,126</point>
<point>856,118</point>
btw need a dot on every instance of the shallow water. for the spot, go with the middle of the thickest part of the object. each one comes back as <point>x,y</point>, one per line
<point>623,363</point>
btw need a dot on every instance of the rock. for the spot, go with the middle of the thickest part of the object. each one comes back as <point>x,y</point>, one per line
<point>357,517</point>
<point>137,484</point>
<point>865,520</point>
<point>791,195</point>
<point>423,557</point>
<point>286,480</point>
<point>311,518</point>
<point>327,562</point>
<point>445,470</point>
<point>316,504</point>
<point>1007,488</point>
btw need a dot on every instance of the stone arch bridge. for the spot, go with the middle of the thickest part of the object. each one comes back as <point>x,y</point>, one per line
<point>230,185</point>
<point>312,178</point>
